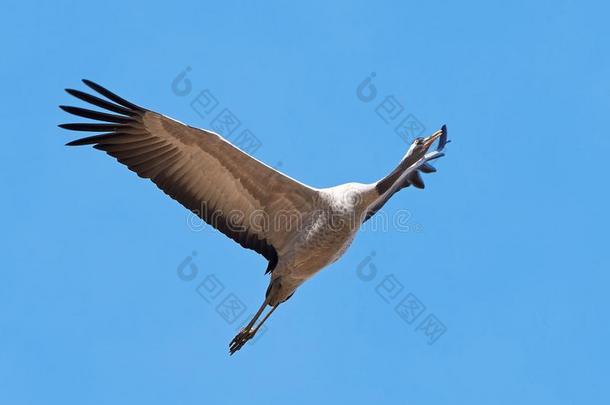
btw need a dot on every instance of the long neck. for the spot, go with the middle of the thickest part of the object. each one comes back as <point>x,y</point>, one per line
<point>386,183</point>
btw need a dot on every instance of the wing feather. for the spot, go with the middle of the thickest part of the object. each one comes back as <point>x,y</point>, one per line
<point>198,168</point>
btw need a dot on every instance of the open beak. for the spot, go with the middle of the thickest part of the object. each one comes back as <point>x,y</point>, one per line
<point>430,140</point>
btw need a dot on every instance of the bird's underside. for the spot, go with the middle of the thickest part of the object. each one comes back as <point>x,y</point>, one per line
<point>297,228</point>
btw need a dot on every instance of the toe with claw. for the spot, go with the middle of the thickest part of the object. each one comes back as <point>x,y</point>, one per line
<point>240,340</point>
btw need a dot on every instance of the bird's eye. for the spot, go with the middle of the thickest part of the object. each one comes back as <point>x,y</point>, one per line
<point>419,140</point>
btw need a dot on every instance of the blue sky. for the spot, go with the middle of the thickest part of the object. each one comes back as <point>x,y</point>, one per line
<point>506,248</point>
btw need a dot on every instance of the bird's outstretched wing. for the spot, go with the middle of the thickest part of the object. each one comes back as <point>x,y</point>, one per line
<point>412,174</point>
<point>227,188</point>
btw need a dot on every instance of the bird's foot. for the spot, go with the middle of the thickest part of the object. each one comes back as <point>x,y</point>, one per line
<point>240,339</point>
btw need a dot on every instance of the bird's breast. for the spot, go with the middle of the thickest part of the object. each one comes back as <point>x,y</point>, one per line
<point>326,236</point>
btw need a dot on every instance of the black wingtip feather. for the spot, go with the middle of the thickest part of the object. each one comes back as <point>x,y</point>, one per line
<point>100,102</point>
<point>88,127</point>
<point>79,142</point>
<point>95,115</point>
<point>111,96</point>
<point>90,140</point>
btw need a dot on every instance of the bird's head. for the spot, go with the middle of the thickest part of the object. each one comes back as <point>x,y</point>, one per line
<point>420,146</point>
